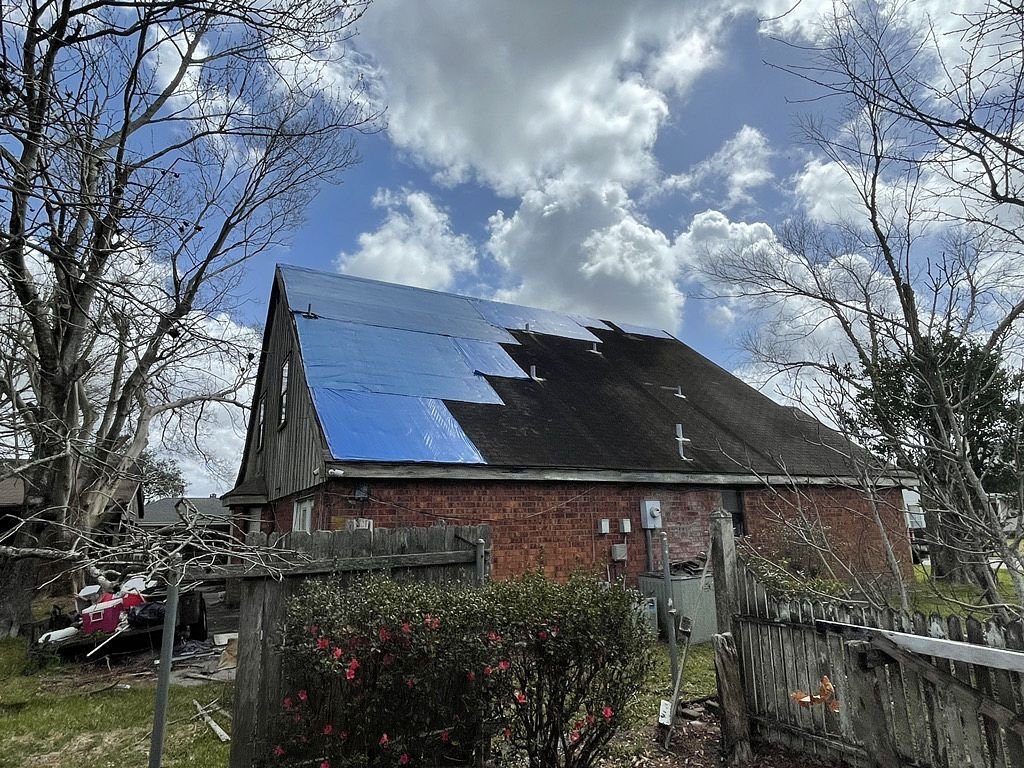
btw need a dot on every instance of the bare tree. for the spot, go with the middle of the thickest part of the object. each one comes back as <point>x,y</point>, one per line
<point>926,261</point>
<point>147,151</point>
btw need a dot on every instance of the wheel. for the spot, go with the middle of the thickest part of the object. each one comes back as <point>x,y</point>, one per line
<point>199,629</point>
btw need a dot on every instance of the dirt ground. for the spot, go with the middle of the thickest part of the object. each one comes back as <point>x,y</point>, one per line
<point>695,744</point>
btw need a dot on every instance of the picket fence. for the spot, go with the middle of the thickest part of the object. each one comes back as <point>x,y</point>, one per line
<point>916,711</point>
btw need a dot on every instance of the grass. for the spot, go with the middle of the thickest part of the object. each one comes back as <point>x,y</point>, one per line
<point>698,681</point>
<point>929,597</point>
<point>49,718</point>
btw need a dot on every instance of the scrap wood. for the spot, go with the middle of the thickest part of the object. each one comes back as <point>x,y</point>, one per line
<point>203,713</point>
<point>826,695</point>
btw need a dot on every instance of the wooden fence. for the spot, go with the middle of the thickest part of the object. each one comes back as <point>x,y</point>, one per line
<point>895,707</point>
<point>438,554</point>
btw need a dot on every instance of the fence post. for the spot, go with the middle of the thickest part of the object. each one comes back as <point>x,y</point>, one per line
<point>723,569</point>
<point>870,723</point>
<point>481,562</point>
<point>735,723</point>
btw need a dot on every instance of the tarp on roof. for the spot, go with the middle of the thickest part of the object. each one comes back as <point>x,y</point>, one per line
<point>539,320</point>
<point>489,359</point>
<point>389,306</point>
<point>643,330</point>
<point>366,426</point>
<point>365,358</point>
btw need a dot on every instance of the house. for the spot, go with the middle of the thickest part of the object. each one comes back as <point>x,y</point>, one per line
<point>158,514</point>
<point>568,434</point>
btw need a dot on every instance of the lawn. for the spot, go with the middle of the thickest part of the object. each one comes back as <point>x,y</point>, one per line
<point>930,597</point>
<point>59,718</point>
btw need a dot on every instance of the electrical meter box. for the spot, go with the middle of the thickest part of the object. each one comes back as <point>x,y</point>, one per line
<point>650,513</point>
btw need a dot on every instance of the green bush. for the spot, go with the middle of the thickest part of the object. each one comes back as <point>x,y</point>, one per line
<point>383,673</point>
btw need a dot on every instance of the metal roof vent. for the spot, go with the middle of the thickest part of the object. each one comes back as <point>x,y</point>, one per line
<point>682,441</point>
<point>593,348</point>
<point>679,391</point>
<point>533,373</point>
<point>528,328</point>
<point>309,314</point>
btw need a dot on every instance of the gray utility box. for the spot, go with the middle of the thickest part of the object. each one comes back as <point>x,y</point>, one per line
<point>689,600</point>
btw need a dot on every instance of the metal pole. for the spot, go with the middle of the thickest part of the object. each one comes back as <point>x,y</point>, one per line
<point>481,562</point>
<point>649,549</point>
<point>163,683</point>
<point>670,624</point>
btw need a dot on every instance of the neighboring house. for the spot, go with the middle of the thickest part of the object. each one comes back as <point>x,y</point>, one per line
<point>127,500</point>
<point>410,407</point>
<point>161,513</point>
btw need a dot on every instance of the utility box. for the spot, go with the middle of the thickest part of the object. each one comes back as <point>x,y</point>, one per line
<point>618,553</point>
<point>688,599</point>
<point>650,513</point>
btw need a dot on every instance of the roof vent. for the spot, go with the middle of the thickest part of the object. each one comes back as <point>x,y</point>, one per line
<point>528,328</point>
<point>682,441</point>
<point>309,314</point>
<point>533,373</point>
<point>593,348</point>
<point>679,391</point>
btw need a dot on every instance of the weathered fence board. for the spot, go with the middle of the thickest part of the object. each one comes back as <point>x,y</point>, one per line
<point>939,698</point>
<point>439,553</point>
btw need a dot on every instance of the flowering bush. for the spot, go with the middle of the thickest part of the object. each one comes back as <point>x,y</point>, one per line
<point>384,674</point>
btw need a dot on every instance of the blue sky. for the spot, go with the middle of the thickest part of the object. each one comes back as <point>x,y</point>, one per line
<point>579,155</point>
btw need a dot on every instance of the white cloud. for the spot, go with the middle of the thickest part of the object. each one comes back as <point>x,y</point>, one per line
<point>415,244</point>
<point>740,165</point>
<point>517,94</point>
<point>586,249</point>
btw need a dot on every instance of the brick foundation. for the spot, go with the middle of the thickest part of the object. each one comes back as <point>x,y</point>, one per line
<point>554,525</point>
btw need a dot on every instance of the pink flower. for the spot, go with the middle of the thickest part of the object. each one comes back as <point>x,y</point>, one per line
<point>354,664</point>
<point>406,628</point>
<point>487,670</point>
<point>287,702</point>
<point>303,696</point>
<point>278,751</point>
<point>350,674</point>
<point>383,634</point>
<point>328,729</point>
<point>404,759</point>
<point>384,740</point>
<point>431,621</point>
<point>410,683</point>
<point>520,697</point>
<point>338,653</point>
<point>323,644</point>
<point>444,736</point>
<point>493,636</point>
<point>503,665</point>
<point>507,733</point>
<point>591,719</point>
<point>542,635</point>
<point>471,676</point>
<point>342,735</point>
<point>607,712</point>
<point>574,737</point>
<point>325,764</point>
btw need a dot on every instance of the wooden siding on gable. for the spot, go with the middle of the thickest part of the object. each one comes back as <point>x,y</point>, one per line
<point>291,458</point>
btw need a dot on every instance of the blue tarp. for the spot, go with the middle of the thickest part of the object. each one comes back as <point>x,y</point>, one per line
<point>389,306</point>
<point>539,320</point>
<point>365,358</point>
<point>490,359</point>
<point>366,426</point>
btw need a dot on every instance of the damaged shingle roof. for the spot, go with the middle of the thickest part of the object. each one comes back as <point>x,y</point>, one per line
<point>405,375</point>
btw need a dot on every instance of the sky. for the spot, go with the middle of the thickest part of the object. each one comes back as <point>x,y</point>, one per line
<point>577,155</point>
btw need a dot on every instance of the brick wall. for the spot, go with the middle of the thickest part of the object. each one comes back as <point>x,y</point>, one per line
<point>554,524</point>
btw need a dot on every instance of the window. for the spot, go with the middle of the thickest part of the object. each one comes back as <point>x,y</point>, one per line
<point>732,502</point>
<point>283,400</point>
<point>302,517</point>
<point>261,420</point>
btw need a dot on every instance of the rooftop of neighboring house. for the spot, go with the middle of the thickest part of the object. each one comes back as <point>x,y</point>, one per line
<point>411,376</point>
<point>164,512</point>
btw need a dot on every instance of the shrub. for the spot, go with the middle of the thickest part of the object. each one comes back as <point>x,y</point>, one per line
<point>412,674</point>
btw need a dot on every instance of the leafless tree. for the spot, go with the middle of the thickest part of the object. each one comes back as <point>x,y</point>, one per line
<point>925,261</point>
<point>147,151</point>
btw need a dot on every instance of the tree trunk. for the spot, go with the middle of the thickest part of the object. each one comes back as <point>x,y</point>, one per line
<point>18,579</point>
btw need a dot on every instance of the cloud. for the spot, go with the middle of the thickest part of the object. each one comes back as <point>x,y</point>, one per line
<point>414,245</point>
<point>740,165</point>
<point>514,95</point>
<point>586,249</point>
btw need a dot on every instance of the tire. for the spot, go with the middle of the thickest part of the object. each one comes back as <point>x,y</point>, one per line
<point>199,630</point>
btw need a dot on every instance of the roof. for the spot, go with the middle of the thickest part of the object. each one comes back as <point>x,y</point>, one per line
<point>162,512</point>
<point>405,375</point>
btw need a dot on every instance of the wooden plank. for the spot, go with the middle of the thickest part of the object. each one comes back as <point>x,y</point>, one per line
<point>1003,691</point>
<point>932,711</point>
<point>917,708</point>
<point>810,669</point>
<point>949,705</point>
<point>1014,635</point>
<point>983,684</point>
<point>735,725</point>
<point>831,730</point>
<point>991,657</point>
<point>902,730</point>
<point>723,569</point>
<point>792,649</point>
<point>970,719</point>
<point>868,702</point>
<point>248,676</point>
<point>749,657</point>
<point>369,563</point>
